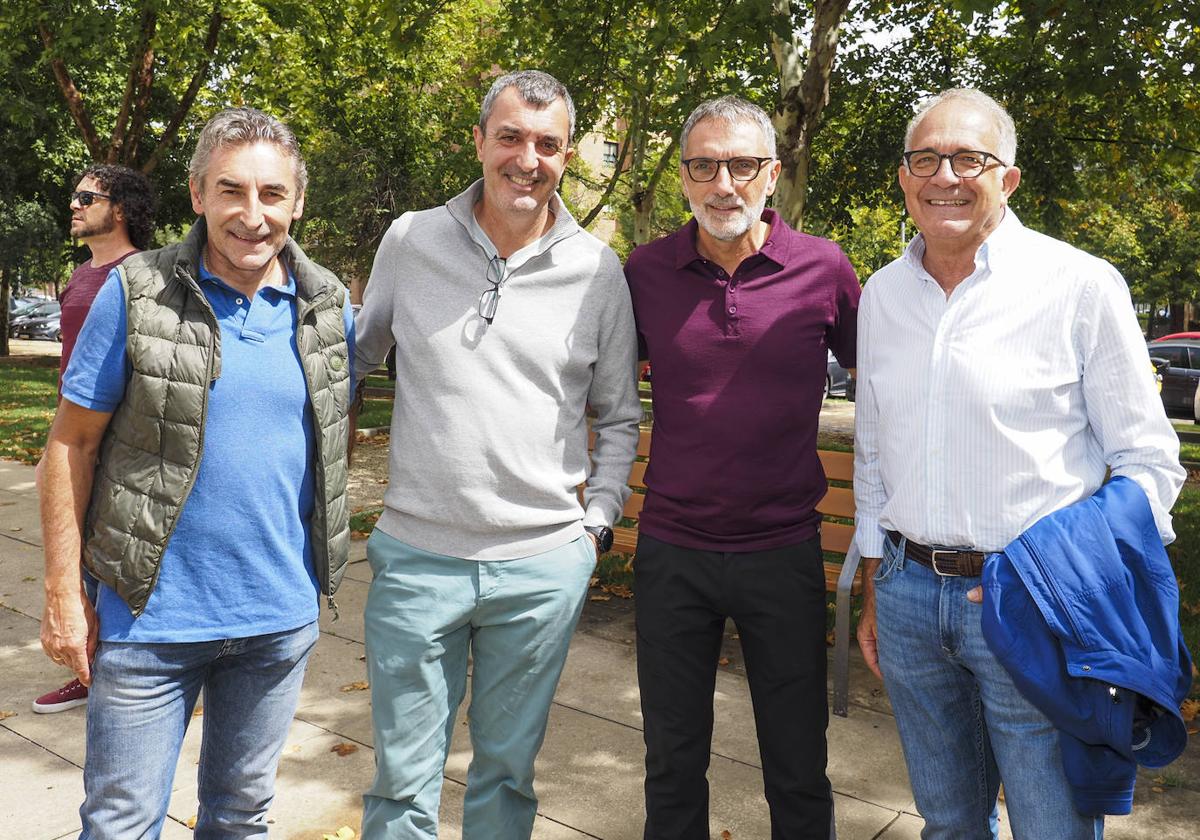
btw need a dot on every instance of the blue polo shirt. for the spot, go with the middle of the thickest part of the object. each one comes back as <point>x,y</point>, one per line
<point>240,560</point>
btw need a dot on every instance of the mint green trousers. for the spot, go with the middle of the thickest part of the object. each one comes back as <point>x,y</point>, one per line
<point>425,614</point>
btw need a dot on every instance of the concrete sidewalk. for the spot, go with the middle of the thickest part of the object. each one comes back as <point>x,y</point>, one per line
<point>589,772</point>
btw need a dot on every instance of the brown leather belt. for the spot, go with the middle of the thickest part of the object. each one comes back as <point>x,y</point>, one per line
<point>949,562</point>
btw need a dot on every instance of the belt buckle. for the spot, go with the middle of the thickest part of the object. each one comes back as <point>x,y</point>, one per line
<point>933,561</point>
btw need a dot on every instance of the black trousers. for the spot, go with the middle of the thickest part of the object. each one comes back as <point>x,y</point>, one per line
<point>777,600</point>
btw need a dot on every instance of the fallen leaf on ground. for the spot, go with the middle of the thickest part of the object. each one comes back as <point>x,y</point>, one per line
<point>5,714</point>
<point>344,748</point>
<point>198,712</point>
<point>618,589</point>
<point>361,685</point>
<point>726,835</point>
<point>1157,789</point>
<point>191,821</point>
<point>1189,709</point>
<point>29,579</point>
<point>600,598</point>
<point>724,660</point>
<point>343,833</point>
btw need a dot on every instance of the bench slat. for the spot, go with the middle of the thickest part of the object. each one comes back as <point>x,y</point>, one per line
<point>838,501</point>
<point>839,466</point>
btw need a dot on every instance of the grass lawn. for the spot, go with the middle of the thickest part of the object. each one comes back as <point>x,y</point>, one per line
<point>376,412</point>
<point>28,395</point>
<point>1185,557</point>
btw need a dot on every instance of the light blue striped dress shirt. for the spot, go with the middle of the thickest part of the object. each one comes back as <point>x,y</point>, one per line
<point>979,414</point>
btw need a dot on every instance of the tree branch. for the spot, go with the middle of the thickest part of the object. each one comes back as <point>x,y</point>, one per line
<point>141,58</point>
<point>75,104</point>
<point>612,182</point>
<point>185,104</point>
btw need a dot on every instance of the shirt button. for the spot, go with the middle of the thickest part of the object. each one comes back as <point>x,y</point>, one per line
<point>238,301</point>
<point>732,310</point>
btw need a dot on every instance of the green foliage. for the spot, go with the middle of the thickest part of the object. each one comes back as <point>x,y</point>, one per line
<point>872,238</point>
<point>637,69</point>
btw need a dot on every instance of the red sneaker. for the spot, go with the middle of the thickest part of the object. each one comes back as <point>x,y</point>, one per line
<point>69,696</point>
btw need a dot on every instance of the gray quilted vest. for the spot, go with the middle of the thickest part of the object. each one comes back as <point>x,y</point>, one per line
<point>151,449</point>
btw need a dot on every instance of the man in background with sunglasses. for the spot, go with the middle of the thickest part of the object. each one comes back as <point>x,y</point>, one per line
<point>508,321</point>
<point>1001,374</point>
<point>736,312</point>
<point>112,213</point>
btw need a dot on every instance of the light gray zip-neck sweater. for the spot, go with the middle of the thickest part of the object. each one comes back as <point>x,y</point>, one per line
<point>489,437</point>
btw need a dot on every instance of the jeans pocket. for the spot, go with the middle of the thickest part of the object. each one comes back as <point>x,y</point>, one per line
<point>888,563</point>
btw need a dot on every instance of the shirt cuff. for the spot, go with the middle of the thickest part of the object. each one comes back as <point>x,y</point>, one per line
<point>868,536</point>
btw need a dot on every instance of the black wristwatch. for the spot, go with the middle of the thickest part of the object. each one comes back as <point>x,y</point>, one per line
<point>603,535</point>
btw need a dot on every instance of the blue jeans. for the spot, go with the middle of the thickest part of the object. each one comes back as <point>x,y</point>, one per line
<point>425,613</point>
<point>139,707</point>
<point>964,726</point>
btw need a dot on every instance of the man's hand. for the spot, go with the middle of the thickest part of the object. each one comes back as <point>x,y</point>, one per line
<point>69,631</point>
<point>868,641</point>
<point>975,596</point>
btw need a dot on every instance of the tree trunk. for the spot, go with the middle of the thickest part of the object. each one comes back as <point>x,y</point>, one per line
<point>804,93</point>
<point>643,208</point>
<point>1178,321</point>
<point>3,312</point>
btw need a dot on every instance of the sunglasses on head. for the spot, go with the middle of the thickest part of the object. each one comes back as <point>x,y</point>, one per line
<point>87,197</point>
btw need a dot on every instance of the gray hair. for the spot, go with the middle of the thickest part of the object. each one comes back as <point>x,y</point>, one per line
<point>1006,132</point>
<point>241,127</point>
<point>536,88</point>
<point>730,110</point>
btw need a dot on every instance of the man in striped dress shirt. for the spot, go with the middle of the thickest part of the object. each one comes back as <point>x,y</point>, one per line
<point>1001,374</point>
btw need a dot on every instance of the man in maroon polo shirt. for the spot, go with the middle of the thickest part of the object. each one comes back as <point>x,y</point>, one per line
<point>735,312</point>
<point>112,212</point>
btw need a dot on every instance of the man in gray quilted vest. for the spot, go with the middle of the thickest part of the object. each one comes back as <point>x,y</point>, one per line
<point>197,466</point>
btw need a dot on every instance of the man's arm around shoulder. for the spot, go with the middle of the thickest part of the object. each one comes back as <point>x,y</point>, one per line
<point>65,474</point>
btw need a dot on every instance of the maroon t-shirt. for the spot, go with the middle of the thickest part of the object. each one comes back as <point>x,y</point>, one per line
<point>739,368</point>
<point>76,299</point>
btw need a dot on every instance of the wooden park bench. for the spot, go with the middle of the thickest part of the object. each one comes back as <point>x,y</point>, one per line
<point>837,539</point>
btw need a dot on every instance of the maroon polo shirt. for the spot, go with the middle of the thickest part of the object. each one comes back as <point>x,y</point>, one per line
<point>739,366</point>
<point>76,299</point>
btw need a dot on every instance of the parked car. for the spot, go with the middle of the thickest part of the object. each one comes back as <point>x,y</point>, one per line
<point>838,382</point>
<point>1177,336</point>
<point>42,309</point>
<point>18,304</point>
<point>48,327</point>
<point>1179,363</point>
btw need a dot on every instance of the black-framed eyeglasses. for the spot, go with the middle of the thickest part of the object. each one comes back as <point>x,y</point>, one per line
<point>924,163</point>
<point>86,197</point>
<point>489,301</point>
<point>744,168</point>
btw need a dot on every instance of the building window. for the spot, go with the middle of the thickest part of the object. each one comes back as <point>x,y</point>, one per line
<point>611,151</point>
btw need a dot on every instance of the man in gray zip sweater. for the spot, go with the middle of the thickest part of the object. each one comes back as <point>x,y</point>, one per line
<point>508,320</point>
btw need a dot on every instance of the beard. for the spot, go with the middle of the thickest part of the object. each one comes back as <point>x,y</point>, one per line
<point>731,228</point>
<point>96,228</point>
